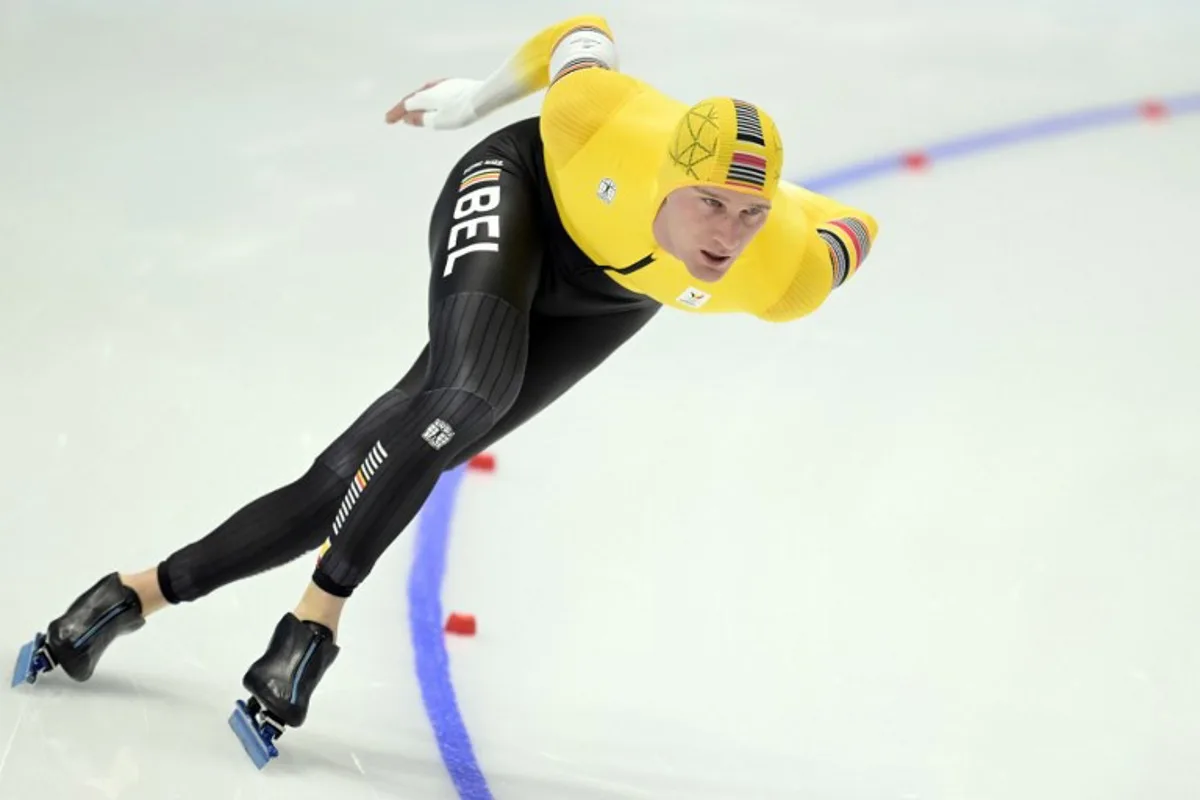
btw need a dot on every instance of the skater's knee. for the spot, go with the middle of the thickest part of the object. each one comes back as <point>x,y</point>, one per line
<point>477,393</point>
<point>451,418</point>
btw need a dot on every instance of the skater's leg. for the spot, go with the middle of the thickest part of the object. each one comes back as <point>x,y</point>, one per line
<point>145,584</point>
<point>486,254</point>
<point>268,532</point>
<point>480,304</point>
<point>283,530</point>
<point>281,526</point>
<point>561,351</point>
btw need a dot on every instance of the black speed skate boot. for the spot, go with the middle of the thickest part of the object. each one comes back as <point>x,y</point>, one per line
<point>280,685</point>
<point>76,640</point>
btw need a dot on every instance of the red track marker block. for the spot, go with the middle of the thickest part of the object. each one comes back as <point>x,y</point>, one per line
<point>916,161</point>
<point>461,624</point>
<point>1153,109</point>
<point>484,462</point>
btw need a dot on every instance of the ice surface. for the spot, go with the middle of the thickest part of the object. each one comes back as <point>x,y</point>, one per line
<point>936,542</point>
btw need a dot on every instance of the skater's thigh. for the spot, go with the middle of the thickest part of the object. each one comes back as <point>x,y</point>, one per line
<point>486,258</point>
<point>486,253</point>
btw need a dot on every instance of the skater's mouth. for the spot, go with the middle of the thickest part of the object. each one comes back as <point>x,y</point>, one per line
<point>713,259</point>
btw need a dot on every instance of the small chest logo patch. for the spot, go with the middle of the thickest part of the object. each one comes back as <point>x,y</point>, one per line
<point>694,298</point>
<point>607,190</point>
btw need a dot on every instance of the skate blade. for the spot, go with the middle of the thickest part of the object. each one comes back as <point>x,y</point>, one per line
<point>246,729</point>
<point>25,671</point>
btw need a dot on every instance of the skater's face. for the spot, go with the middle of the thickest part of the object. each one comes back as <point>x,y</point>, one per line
<point>707,228</point>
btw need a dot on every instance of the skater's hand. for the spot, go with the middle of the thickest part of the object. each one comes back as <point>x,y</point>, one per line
<point>442,104</point>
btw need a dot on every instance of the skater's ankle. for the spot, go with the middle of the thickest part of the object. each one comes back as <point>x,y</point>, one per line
<point>306,614</point>
<point>320,607</point>
<point>145,584</point>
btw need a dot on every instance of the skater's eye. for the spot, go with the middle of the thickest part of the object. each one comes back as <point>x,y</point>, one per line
<point>712,202</point>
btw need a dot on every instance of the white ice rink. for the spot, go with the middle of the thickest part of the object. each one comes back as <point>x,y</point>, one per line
<point>938,541</point>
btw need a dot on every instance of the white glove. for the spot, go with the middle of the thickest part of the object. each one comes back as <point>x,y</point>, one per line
<point>445,105</point>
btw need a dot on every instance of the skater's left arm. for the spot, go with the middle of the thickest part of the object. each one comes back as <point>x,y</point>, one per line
<point>838,239</point>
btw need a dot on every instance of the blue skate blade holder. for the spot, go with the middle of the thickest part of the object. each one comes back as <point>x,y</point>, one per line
<point>26,669</point>
<point>258,745</point>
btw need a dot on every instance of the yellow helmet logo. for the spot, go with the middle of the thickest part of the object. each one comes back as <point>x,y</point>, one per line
<point>727,143</point>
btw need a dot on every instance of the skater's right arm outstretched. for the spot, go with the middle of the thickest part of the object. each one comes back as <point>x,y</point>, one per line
<point>557,51</point>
